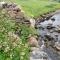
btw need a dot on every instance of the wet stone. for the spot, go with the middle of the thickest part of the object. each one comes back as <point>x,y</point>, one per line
<point>50,27</point>
<point>38,55</point>
<point>49,37</point>
<point>57,45</point>
<point>53,19</point>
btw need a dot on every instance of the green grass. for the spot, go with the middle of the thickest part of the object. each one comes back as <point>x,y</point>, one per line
<point>12,48</point>
<point>36,7</point>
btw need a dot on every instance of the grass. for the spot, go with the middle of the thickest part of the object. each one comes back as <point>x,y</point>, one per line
<point>12,47</point>
<point>34,8</point>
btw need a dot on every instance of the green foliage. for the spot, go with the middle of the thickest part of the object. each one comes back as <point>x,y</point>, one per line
<point>25,31</point>
<point>12,46</point>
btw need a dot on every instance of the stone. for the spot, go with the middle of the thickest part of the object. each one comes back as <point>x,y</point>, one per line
<point>3,4</point>
<point>19,15</point>
<point>16,13</point>
<point>43,47</point>
<point>51,31</point>
<point>48,37</point>
<point>38,55</point>
<point>48,17</point>
<point>9,5</point>
<point>26,22</point>
<point>14,5</point>
<point>32,21</point>
<point>16,9</point>
<point>32,41</point>
<point>34,48</point>
<point>58,30</point>
<point>50,27</point>
<point>53,19</point>
<point>57,45</point>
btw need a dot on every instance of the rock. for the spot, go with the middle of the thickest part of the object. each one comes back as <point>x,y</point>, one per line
<point>53,19</point>
<point>49,37</point>
<point>32,41</point>
<point>49,27</point>
<point>14,5</point>
<point>3,5</point>
<point>38,55</point>
<point>51,31</point>
<point>16,9</point>
<point>43,47</point>
<point>20,15</point>
<point>57,45</point>
<point>57,30</point>
<point>26,22</point>
<point>32,21</point>
<point>47,17</point>
<point>9,5</point>
<point>34,48</point>
<point>16,13</point>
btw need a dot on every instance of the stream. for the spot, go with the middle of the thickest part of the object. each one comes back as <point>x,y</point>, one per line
<point>49,39</point>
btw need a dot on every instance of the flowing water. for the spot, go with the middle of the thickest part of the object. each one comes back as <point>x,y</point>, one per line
<point>49,35</point>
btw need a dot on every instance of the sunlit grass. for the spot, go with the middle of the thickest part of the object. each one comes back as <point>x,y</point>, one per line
<point>36,7</point>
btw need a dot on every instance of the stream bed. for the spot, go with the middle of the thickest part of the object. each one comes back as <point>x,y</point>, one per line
<point>49,39</point>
